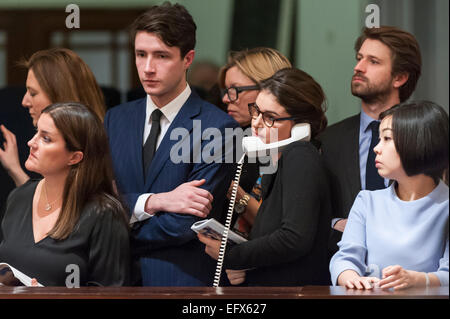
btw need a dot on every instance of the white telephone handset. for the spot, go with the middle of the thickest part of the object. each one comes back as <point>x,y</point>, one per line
<point>253,147</point>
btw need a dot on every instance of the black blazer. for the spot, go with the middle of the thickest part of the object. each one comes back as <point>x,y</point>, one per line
<point>288,240</point>
<point>340,151</point>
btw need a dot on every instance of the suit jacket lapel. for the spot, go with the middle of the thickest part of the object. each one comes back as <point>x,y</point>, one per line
<point>352,169</point>
<point>138,122</point>
<point>184,119</point>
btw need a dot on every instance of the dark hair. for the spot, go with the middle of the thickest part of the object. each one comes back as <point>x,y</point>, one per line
<point>92,178</point>
<point>420,133</point>
<point>171,23</point>
<point>300,95</point>
<point>405,52</point>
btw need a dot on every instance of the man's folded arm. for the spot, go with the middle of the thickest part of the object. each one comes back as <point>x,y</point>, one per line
<point>169,228</point>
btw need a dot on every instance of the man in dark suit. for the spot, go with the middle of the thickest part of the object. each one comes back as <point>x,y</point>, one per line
<point>386,73</point>
<point>167,192</point>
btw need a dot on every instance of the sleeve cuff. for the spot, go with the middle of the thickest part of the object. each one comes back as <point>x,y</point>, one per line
<point>339,267</point>
<point>334,221</point>
<point>442,276</point>
<point>139,213</point>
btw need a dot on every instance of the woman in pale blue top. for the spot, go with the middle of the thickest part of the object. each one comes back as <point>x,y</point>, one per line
<point>398,237</point>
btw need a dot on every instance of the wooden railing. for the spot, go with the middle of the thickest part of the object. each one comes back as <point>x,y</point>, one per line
<point>308,292</point>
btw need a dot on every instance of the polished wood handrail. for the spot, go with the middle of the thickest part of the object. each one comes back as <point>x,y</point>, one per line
<point>308,292</point>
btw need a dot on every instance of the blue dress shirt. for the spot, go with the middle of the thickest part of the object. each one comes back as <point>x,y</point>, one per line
<point>365,136</point>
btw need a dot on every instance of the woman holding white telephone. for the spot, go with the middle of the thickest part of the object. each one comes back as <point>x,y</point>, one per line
<point>288,240</point>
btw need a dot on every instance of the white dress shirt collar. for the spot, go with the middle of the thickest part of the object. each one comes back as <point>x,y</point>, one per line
<point>169,110</point>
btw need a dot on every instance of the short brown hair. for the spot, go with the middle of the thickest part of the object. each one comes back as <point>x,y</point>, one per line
<point>300,95</point>
<point>405,52</point>
<point>65,77</point>
<point>173,24</point>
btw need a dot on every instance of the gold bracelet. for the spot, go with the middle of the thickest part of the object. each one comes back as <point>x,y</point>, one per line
<point>242,204</point>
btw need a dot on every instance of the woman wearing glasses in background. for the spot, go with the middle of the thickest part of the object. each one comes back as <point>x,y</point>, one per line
<point>288,240</point>
<point>239,80</point>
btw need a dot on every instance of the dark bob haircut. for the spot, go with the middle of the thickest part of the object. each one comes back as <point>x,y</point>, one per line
<point>420,133</point>
<point>300,95</point>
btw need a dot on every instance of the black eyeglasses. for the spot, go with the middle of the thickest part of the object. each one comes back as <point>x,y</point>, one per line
<point>233,91</point>
<point>268,119</point>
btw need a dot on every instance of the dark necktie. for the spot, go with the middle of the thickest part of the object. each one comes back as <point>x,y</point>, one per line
<point>150,143</point>
<point>373,179</point>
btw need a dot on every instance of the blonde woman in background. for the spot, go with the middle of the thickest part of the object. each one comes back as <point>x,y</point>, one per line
<point>239,80</point>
